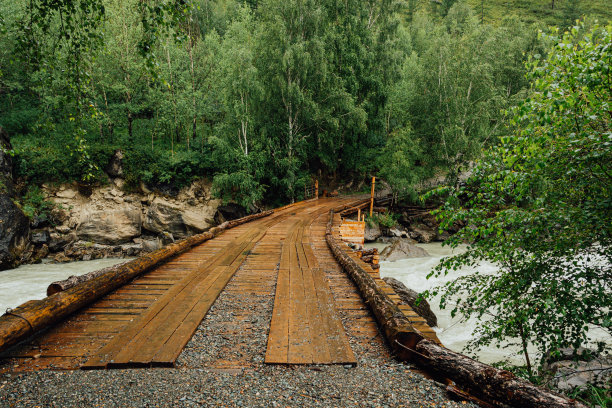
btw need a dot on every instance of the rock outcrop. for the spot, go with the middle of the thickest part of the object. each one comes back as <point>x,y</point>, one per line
<point>116,225</point>
<point>14,233</point>
<point>14,225</point>
<point>111,222</point>
<point>409,297</point>
<point>401,249</point>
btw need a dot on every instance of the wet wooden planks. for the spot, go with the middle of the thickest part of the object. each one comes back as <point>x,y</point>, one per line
<point>141,323</point>
<point>305,326</point>
<point>159,335</point>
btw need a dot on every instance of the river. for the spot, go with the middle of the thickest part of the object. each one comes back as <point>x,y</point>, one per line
<point>452,332</point>
<point>30,281</point>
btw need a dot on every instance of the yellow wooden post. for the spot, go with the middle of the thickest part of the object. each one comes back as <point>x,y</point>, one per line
<point>316,188</point>
<point>359,214</point>
<point>372,196</point>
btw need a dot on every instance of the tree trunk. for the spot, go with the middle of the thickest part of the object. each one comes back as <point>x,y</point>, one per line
<point>487,382</point>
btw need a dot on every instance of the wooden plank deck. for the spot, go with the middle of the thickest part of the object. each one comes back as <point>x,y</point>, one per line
<point>305,326</point>
<point>148,321</point>
<point>284,257</point>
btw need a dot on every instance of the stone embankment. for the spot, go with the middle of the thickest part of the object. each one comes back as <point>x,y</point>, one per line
<point>111,222</point>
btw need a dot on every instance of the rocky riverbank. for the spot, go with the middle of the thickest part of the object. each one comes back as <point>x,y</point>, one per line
<point>82,222</point>
<point>111,222</point>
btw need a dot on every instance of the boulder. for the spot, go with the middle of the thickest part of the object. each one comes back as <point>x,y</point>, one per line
<point>66,193</point>
<point>197,221</point>
<point>163,216</point>
<point>402,249</point>
<point>573,370</point>
<point>423,233</point>
<point>150,245</point>
<point>116,225</point>
<point>409,297</point>
<point>57,242</point>
<point>40,237</point>
<point>229,212</point>
<point>372,232</point>
<point>14,233</point>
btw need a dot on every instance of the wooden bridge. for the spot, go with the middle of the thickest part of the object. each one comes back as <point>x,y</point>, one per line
<point>149,320</point>
<point>143,313</point>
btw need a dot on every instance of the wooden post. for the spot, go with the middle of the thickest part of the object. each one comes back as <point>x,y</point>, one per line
<point>359,214</point>
<point>372,196</point>
<point>317,188</point>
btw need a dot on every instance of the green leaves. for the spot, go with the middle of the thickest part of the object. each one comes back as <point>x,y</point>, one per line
<point>539,206</point>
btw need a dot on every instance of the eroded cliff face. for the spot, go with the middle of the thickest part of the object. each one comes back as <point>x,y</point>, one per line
<point>108,221</point>
<point>14,225</point>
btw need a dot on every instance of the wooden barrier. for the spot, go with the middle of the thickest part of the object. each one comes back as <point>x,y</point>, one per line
<point>33,316</point>
<point>475,379</point>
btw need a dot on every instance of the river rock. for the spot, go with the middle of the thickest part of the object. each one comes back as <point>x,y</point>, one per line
<point>423,233</point>
<point>229,212</point>
<point>577,370</point>
<point>402,249</point>
<point>58,241</point>
<point>14,233</point>
<point>163,216</point>
<point>150,245</point>
<point>409,297</point>
<point>116,225</point>
<point>372,232</point>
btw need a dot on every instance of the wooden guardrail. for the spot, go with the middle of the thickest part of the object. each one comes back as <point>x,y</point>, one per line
<point>474,379</point>
<point>19,323</point>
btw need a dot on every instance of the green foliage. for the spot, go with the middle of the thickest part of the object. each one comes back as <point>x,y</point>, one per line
<point>388,220</point>
<point>34,204</point>
<point>263,94</point>
<point>596,397</point>
<point>539,205</point>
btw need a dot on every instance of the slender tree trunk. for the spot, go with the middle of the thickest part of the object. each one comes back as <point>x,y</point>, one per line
<point>193,89</point>
<point>176,129</point>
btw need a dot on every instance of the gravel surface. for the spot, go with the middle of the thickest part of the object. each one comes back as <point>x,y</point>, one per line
<point>392,385</point>
<point>223,366</point>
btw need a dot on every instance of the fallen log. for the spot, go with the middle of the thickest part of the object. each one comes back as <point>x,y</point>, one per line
<point>71,281</point>
<point>487,383</point>
<point>33,316</point>
<point>397,328</point>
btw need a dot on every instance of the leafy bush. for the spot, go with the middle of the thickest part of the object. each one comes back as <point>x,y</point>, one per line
<point>35,205</point>
<point>387,220</point>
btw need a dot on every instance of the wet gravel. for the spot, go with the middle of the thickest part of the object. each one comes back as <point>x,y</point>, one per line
<point>392,385</point>
<point>222,365</point>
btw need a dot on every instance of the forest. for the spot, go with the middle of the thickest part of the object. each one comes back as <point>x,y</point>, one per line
<point>262,97</point>
<point>505,105</point>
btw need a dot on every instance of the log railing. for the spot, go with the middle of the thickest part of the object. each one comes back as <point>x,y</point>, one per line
<point>474,379</point>
<point>20,323</point>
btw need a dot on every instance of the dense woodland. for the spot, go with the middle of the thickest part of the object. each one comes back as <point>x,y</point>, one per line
<point>261,96</point>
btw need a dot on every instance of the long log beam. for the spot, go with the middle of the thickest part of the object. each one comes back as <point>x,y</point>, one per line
<point>33,316</point>
<point>494,386</point>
